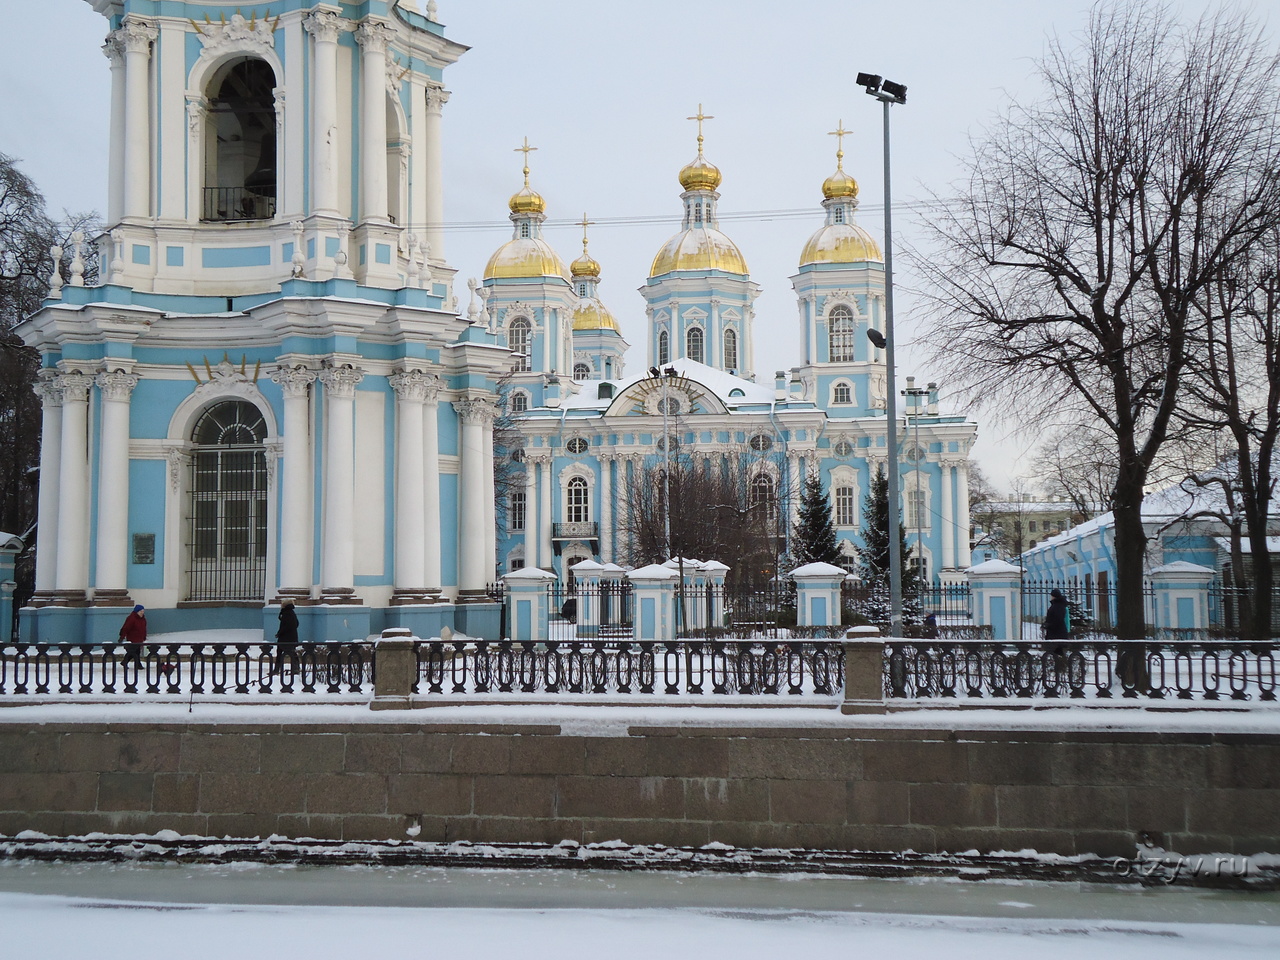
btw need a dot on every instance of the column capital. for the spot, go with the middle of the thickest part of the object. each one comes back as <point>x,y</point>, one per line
<point>113,48</point>
<point>48,390</point>
<point>74,386</point>
<point>116,384</point>
<point>374,35</point>
<point>294,380</point>
<point>480,412</point>
<point>325,25</point>
<point>340,379</point>
<point>415,385</point>
<point>136,36</point>
<point>437,97</point>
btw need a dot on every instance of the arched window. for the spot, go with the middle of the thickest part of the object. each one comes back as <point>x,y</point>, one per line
<point>840,332</point>
<point>731,350</point>
<point>577,501</point>
<point>229,504</point>
<point>838,215</point>
<point>841,393</point>
<point>581,371</point>
<point>764,496</point>
<point>524,231</point>
<point>693,344</point>
<point>664,348</point>
<point>240,143</point>
<point>518,332</point>
<point>519,402</point>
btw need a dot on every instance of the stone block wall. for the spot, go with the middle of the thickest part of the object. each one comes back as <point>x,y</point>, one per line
<point>860,788</point>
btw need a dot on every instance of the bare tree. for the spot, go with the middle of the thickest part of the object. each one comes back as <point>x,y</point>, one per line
<point>1067,267</point>
<point>1078,465</point>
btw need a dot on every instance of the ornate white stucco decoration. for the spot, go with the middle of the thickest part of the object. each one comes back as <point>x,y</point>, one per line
<point>395,74</point>
<point>226,379</point>
<point>842,298</point>
<point>177,458</point>
<point>236,35</point>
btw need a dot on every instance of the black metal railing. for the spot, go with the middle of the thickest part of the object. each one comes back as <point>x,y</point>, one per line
<point>229,204</point>
<point>660,668</point>
<point>1167,669</point>
<point>218,669</point>
<point>577,530</point>
<point>578,611</point>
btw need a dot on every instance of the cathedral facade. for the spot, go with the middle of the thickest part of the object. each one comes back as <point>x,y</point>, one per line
<point>587,438</point>
<point>270,393</point>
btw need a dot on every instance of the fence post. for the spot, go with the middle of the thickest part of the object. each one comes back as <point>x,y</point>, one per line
<point>863,671</point>
<point>586,575</point>
<point>716,573</point>
<point>997,598</point>
<point>1181,594</point>
<point>527,605</point>
<point>613,603</point>
<point>654,590</point>
<point>818,594</point>
<point>394,669</point>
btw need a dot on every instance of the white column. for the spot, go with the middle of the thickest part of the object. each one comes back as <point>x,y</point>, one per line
<point>337,562</point>
<point>295,516</point>
<point>963,560</point>
<point>431,488</point>
<point>546,554</point>
<point>111,575</point>
<point>137,37</point>
<point>73,484</point>
<point>417,154</point>
<point>949,531</point>
<point>114,51</point>
<point>490,506</point>
<point>372,35</point>
<point>606,509</point>
<point>472,536</point>
<point>437,97</point>
<point>50,457</point>
<point>530,512</point>
<point>411,519</point>
<point>793,492</point>
<point>324,26</point>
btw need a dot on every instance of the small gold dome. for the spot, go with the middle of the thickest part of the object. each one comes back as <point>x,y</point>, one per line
<point>840,243</point>
<point>699,248</point>
<point>700,174</point>
<point>527,200</point>
<point>525,257</point>
<point>839,185</point>
<point>585,266</point>
<point>591,314</point>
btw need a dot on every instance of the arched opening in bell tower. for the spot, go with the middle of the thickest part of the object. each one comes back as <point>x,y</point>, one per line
<point>240,143</point>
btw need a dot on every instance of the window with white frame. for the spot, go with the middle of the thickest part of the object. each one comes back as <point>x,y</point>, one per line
<point>731,350</point>
<point>524,231</point>
<point>518,337</point>
<point>519,402</point>
<point>917,509</point>
<point>516,511</point>
<point>764,495</point>
<point>842,393</point>
<point>577,501</point>
<point>840,334</point>
<point>664,348</point>
<point>844,504</point>
<point>694,344</point>
<point>581,371</point>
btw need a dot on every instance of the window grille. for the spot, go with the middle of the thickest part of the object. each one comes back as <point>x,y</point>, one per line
<point>840,334</point>
<point>516,513</point>
<point>694,342</point>
<point>845,504</point>
<point>518,342</point>
<point>578,502</point>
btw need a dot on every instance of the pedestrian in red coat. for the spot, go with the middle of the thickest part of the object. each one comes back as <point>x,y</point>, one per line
<point>134,632</point>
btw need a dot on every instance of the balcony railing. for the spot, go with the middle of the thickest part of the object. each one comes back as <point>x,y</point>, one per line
<point>228,204</point>
<point>578,530</point>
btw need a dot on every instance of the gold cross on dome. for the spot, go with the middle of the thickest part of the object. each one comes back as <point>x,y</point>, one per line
<point>839,133</point>
<point>526,150</point>
<point>584,224</point>
<point>700,116</point>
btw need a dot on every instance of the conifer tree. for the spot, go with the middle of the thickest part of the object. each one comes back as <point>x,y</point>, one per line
<point>873,555</point>
<point>815,537</point>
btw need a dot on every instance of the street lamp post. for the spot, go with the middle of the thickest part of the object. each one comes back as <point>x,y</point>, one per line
<point>915,397</point>
<point>888,93</point>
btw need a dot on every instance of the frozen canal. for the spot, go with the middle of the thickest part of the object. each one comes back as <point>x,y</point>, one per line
<point>132,912</point>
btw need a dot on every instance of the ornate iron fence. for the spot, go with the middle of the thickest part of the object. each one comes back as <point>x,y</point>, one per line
<point>1172,669</point>
<point>659,668</point>
<point>219,669</point>
<point>578,611</point>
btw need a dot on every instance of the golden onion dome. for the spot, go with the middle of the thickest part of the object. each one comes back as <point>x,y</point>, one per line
<point>527,200</point>
<point>525,257</point>
<point>840,243</point>
<point>699,248</point>
<point>700,174</point>
<point>585,266</point>
<point>591,314</point>
<point>840,186</point>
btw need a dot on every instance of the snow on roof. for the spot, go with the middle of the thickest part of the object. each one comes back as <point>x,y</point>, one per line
<point>717,381</point>
<point>1224,544</point>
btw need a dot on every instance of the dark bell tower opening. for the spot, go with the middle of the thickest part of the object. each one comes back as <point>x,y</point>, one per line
<point>240,144</point>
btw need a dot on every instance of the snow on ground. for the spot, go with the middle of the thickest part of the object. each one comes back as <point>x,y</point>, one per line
<point>136,912</point>
<point>614,720</point>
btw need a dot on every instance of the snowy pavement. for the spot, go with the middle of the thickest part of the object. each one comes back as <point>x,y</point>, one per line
<point>56,911</point>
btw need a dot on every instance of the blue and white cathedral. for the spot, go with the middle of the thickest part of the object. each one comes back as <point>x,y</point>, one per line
<point>270,393</point>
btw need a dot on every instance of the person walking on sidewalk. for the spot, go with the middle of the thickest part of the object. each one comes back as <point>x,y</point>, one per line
<point>134,633</point>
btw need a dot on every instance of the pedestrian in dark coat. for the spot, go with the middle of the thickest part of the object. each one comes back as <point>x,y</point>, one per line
<point>1057,623</point>
<point>134,633</point>
<point>286,636</point>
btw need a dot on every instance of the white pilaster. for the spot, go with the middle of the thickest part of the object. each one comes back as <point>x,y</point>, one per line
<point>490,506</point>
<point>411,388</point>
<point>295,519</point>
<point>963,558</point>
<point>73,484</point>
<point>606,509</point>
<point>111,575</point>
<point>324,26</point>
<point>337,563</point>
<point>472,535</point>
<point>114,51</point>
<point>431,543</point>
<point>433,189</point>
<point>50,457</point>
<point>530,512</point>
<point>137,37</point>
<point>373,35</point>
<point>545,553</point>
<point>949,531</point>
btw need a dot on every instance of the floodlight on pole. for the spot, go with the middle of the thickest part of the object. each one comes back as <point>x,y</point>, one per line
<point>888,92</point>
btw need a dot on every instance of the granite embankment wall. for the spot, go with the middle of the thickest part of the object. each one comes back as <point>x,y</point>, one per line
<point>854,788</point>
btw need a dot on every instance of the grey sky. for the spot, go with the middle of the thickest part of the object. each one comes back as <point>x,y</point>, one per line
<point>602,90</point>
